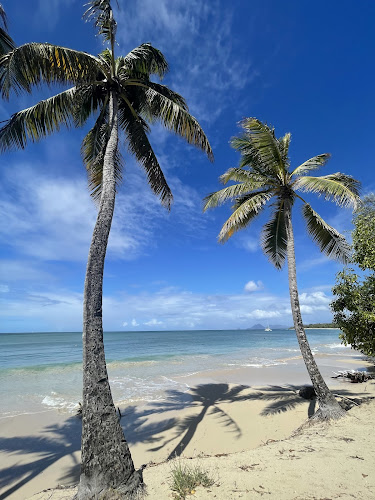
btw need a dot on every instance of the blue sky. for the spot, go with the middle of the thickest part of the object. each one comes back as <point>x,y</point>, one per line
<point>304,67</point>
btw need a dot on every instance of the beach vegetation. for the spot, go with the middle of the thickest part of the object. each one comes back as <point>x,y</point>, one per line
<point>122,97</point>
<point>185,478</point>
<point>354,302</point>
<point>264,178</point>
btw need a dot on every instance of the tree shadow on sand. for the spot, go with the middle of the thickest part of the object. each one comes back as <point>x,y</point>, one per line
<point>61,440</point>
<point>206,399</point>
<point>65,440</point>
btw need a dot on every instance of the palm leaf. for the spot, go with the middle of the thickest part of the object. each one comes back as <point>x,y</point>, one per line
<point>100,12</point>
<point>93,150</point>
<point>89,98</point>
<point>284,143</point>
<point>330,241</point>
<point>341,188</point>
<point>6,43</point>
<point>274,236</point>
<point>253,180</point>
<point>38,121</point>
<point>35,63</point>
<point>228,193</point>
<point>312,164</point>
<point>140,147</point>
<point>265,143</point>
<point>244,214</point>
<point>144,60</point>
<point>177,119</point>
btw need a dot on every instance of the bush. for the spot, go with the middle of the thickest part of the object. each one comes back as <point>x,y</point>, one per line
<point>185,478</point>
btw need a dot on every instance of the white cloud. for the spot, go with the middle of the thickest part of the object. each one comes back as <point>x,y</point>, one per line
<point>4,288</point>
<point>252,286</point>
<point>261,314</point>
<point>125,323</point>
<point>315,298</point>
<point>153,322</point>
<point>134,322</point>
<point>249,243</point>
<point>52,218</point>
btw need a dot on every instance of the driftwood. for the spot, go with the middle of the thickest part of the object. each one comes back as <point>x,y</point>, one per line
<point>354,376</point>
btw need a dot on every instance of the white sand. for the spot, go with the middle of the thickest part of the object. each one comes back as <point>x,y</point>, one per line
<point>251,426</point>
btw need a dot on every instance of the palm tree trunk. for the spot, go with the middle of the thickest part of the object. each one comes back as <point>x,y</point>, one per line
<point>106,459</point>
<point>328,406</point>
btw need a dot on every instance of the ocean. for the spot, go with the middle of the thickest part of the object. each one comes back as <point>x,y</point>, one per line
<point>41,371</point>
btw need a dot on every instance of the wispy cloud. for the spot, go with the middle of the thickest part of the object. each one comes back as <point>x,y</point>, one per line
<point>167,309</point>
<point>216,70</point>
<point>52,217</point>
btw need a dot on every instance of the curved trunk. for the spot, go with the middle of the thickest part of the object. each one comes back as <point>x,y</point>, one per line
<point>328,406</point>
<point>106,460</point>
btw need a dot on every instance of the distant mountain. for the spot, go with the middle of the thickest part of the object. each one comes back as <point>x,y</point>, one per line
<point>258,326</point>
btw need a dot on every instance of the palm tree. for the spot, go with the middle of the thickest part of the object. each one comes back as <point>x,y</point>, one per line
<point>120,92</point>
<point>6,43</point>
<point>264,177</point>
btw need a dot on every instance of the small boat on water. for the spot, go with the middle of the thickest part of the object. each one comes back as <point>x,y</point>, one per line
<point>268,329</point>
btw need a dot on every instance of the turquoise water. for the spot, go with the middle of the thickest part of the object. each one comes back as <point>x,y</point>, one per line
<point>40,371</point>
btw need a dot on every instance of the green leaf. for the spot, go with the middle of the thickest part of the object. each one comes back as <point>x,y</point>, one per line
<point>274,236</point>
<point>312,164</point>
<point>330,241</point>
<point>144,60</point>
<point>38,121</point>
<point>35,63</point>
<point>175,118</point>
<point>100,12</point>
<point>140,147</point>
<point>341,188</point>
<point>241,217</point>
<point>219,197</point>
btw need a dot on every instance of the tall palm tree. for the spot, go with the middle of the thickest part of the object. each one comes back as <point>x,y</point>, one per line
<point>264,177</point>
<point>120,92</point>
<point>6,43</point>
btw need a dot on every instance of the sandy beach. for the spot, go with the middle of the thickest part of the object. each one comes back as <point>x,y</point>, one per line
<point>239,432</point>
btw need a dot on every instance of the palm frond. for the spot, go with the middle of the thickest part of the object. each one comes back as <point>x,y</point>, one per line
<point>244,214</point>
<point>35,63</point>
<point>274,236</point>
<point>100,12</point>
<point>228,193</point>
<point>140,147</point>
<point>89,98</point>
<point>38,121</point>
<point>341,188</point>
<point>144,60</point>
<point>3,17</point>
<point>312,164</point>
<point>93,150</point>
<point>330,241</point>
<point>265,143</point>
<point>177,119</point>
<point>253,180</point>
<point>6,42</point>
<point>284,143</point>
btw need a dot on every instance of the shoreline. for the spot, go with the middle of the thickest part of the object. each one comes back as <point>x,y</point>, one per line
<point>242,408</point>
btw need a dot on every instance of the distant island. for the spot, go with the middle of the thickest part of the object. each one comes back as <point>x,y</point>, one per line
<point>317,325</point>
<point>258,326</point>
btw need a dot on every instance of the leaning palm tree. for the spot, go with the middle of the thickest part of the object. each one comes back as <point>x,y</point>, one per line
<point>264,177</point>
<point>120,93</point>
<point>6,43</point>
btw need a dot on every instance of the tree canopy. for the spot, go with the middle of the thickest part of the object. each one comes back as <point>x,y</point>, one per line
<point>354,304</point>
